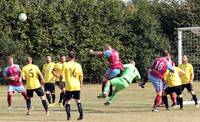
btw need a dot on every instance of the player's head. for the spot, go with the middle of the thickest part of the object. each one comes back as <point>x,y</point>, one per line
<point>107,47</point>
<point>164,53</point>
<point>29,60</point>
<point>185,59</point>
<point>10,60</point>
<point>62,58</point>
<point>133,62</point>
<point>71,55</point>
<point>49,58</point>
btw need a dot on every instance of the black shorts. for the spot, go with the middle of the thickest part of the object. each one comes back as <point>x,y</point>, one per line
<point>38,91</point>
<point>72,94</point>
<point>176,89</point>
<point>188,86</point>
<point>60,84</point>
<point>49,87</point>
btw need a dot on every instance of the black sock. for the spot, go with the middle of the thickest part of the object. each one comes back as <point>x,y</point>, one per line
<point>103,86</point>
<point>180,100</point>
<point>53,97</point>
<point>44,103</point>
<point>195,99</point>
<point>61,97</point>
<point>28,104</point>
<point>165,100</point>
<point>48,98</point>
<point>67,109</point>
<point>111,91</point>
<point>80,109</point>
<point>177,101</point>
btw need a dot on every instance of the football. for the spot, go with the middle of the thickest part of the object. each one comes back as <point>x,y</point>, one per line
<point>22,17</point>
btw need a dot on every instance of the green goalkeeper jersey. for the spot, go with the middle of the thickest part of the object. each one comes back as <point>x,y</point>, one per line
<point>130,72</point>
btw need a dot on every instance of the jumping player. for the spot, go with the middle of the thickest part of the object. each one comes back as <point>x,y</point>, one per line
<point>188,77</point>
<point>129,74</point>
<point>115,65</point>
<point>156,74</point>
<point>60,78</point>
<point>49,79</point>
<point>74,81</point>
<point>32,74</point>
<point>12,73</point>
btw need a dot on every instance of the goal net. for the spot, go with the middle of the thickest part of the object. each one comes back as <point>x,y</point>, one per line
<point>189,44</point>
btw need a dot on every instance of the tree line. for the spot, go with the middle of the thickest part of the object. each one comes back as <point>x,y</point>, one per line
<point>138,30</point>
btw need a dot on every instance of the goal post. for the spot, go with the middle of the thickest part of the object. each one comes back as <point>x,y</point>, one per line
<point>189,44</point>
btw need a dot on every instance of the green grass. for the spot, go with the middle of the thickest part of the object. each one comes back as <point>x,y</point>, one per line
<point>132,104</point>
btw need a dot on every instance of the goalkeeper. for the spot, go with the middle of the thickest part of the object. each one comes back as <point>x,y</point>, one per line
<point>129,74</point>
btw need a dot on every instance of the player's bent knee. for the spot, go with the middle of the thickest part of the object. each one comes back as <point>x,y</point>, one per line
<point>159,93</point>
<point>77,100</point>
<point>47,92</point>
<point>10,93</point>
<point>42,97</point>
<point>179,96</point>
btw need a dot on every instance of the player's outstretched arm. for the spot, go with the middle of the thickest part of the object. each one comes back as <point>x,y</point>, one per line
<point>97,53</point>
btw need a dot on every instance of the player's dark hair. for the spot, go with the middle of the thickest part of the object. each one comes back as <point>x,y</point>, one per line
<point>71,54</point>
<point>10,56</point>
<point>163,52</point>
<point>62,55</point>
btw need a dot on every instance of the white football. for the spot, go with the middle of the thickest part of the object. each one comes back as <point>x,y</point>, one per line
<point>22,17</point>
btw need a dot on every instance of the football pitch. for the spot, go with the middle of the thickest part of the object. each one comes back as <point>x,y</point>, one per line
<point>132,104</point>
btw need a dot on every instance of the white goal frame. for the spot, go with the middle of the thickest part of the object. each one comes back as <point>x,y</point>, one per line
<point>180,31</point>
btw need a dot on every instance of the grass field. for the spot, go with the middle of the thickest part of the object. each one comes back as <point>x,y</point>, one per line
<point>132,104</point>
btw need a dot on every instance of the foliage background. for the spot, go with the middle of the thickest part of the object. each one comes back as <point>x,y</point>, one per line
<point>137,29</point>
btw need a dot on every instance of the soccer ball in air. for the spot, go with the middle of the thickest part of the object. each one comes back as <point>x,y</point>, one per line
<point>22,17</point>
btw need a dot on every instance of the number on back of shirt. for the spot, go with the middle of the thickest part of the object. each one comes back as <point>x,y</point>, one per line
<point>159,65</point>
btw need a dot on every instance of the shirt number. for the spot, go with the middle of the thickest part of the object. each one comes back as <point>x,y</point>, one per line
<point>159,65</point>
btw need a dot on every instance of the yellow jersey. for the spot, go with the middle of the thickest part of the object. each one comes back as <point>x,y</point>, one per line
<point>30,73</point>
<point>188,68</point>
<point>73,74</point>
<point>59,70</point>
<point>172,79</point>
<point>47,72</point>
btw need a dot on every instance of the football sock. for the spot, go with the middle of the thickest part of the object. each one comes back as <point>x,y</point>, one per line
<point>106,87</point>
<point>180,101</point>
<point>157,101</point>
<point>111,91</point>
<point>67,109</point>
<point>80,109</point>
<point>44,103</point>
<point>28,103</point>
<point>48,98</point>
<point>103,86</point>
<point>195,99</point>
<point>9,99</point>
<point>53,97</point>
<point>164,98</point>
<point>61,96</point>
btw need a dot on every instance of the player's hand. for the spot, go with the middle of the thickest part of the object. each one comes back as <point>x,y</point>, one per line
<point>92,52</point>
<point>12,78</point>
<point>61,77</point>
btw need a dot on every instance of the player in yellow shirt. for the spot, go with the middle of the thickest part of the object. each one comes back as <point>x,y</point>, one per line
<point>74,80</point>
<point>60,79</point>
<point>173,83</point>
<point>49,86</point>
<point>32,74</point>
<point>188,77</point>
